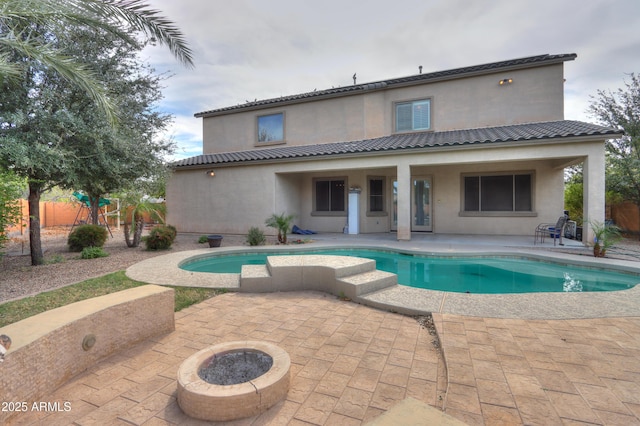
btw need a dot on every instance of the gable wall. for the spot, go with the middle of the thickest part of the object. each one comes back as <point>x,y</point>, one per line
<point>474,102</point>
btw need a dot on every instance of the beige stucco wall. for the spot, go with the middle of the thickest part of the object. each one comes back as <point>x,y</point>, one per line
<point>535,95</point>
<point>244,196</point>
<point>52,347</point>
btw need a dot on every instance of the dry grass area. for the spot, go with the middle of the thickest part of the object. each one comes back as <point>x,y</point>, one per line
<point>19,279</point>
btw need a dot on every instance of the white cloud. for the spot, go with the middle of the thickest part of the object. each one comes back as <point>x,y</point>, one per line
<point>248,49</point>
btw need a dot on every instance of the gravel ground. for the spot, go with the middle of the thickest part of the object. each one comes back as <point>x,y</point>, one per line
<point>19,279</point>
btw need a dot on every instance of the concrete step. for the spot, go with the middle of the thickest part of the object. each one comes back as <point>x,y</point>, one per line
<point>366,282</point>
<point>255,279</point>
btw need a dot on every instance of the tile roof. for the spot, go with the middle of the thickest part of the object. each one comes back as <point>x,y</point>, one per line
<point>492,67</point>
<point>543,131</point>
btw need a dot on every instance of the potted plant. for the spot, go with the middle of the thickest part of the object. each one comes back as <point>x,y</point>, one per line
<point>282,223</point>
<point>606,235</point>
<point>214,240</point>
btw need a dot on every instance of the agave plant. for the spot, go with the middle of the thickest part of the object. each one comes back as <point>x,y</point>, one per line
<point>282,223</point>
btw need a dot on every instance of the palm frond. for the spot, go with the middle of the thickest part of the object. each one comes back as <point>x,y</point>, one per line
<point>67,67</point>
<point>138,15</point>
<point>8,68</point>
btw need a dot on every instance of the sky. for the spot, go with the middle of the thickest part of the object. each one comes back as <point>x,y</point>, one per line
<point>259,49</point>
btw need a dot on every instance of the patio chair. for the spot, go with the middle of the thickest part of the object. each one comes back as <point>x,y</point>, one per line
<point>552,230</point>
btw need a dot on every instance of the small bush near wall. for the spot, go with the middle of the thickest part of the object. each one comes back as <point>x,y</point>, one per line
<point>87,236</point>
<point>256,237</point>
<point>160,238</point>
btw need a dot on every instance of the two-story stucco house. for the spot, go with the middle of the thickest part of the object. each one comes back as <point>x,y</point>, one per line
<point>474,150</point>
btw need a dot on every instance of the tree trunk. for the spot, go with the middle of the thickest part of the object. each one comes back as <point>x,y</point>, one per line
<point>35,242</point>
<point>95,210</point>
<point>138,226</point>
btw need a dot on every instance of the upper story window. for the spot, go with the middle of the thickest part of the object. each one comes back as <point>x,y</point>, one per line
<point>271,128</point>
<point>412,116</point>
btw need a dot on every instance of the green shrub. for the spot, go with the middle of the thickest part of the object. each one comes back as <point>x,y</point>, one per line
<point>174,232</point>
<point>87,236</point>
<point>256,237</point>
<point>203,239</point>
<point>160,238</point>
<point>56,258</point>
<point>93,253</point>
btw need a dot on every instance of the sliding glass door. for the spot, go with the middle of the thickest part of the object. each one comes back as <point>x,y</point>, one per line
<point>421,219</point>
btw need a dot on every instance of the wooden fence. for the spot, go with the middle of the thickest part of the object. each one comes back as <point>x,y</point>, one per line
<point>56,213</point>
<point>626,216</point>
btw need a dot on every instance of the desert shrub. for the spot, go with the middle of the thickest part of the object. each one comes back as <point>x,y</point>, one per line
<point>203,239</point>
<point>174,232</point>
<point>87,236</point>
<point>160,238</point>
<point>255,237</point>
<point>93,253</point>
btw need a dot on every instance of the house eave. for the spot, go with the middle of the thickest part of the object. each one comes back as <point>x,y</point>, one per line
<point>409,151</point>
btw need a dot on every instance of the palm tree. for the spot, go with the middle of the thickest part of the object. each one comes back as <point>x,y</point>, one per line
<point>135,208</point>
<point>282,223</point>
<point>18,18</point>
<point>28,32</point>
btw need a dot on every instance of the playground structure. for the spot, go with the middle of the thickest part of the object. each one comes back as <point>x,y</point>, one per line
<point>84,212</point>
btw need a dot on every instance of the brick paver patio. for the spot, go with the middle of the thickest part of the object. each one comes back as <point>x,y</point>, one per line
<point>350,363</point>
<point>510,371</point>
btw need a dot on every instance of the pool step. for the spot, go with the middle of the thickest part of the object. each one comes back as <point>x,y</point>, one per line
<point>255,279</point>
<point>367,282</point>
<point>339,275</point>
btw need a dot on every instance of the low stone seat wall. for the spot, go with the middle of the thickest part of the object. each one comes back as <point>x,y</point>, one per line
<point>50,348</point>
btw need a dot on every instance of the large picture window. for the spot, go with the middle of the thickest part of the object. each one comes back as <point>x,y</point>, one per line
<point>330,195</point>
<point>412,116</point>
<point>271,128</point>
<point>498,193</point>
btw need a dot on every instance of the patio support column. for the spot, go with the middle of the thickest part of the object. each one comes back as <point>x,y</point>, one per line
<point>404,202</point>
<point>593,192</point>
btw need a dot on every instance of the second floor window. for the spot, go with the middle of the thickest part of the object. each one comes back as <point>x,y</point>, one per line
<point>271,128</point>
<point>412,116</point>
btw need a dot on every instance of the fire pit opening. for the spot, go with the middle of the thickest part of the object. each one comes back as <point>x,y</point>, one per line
<point>233,380</point>
<point>235,367</point>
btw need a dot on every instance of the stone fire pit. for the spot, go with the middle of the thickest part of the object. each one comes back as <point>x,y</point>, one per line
<point>233,380</point>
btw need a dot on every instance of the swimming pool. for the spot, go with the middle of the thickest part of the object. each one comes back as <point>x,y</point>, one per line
<point>470,274</point>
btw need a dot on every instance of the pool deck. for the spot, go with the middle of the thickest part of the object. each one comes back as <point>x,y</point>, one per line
<point>164,270</point>
<point>353,364</point>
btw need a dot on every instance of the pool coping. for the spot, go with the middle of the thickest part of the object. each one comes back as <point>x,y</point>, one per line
<point>165,270</point>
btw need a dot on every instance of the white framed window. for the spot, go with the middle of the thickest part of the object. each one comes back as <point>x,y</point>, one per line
<point>498,193</point>
<point>413,116</point>
<point>271,128</point>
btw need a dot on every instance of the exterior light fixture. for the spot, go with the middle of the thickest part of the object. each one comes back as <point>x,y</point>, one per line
<point>505,81</point>
<point>211,173</point>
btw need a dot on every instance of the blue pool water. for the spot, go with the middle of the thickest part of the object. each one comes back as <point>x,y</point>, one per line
<point>457,274</point>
